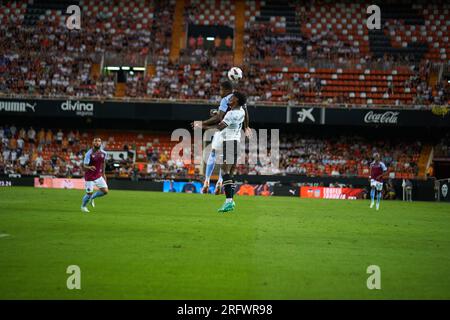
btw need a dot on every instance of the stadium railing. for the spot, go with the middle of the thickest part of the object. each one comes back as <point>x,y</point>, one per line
<point>213,102</point>
<point>130,59</point>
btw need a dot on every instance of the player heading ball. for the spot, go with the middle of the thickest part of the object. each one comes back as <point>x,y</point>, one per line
<point>230,132</point>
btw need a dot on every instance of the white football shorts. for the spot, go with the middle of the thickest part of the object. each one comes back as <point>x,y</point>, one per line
<point>99,183</point>
<point>377,184</point>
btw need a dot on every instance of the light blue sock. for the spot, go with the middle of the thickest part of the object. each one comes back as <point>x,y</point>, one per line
<point>210,165</point>
<point>372,194</point>
<point>378,197</point>
<point>97,195</point>
<point>220,176</point>
<point>86,199</point>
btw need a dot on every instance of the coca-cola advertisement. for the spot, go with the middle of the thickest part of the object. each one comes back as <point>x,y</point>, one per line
<point>387,117</point>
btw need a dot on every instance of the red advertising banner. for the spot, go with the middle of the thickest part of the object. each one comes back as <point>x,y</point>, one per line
<point>331,193</point>
<point>59,183</point>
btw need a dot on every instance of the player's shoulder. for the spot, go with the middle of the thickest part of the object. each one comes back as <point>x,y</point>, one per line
<point>224,104</point>
<point>236,112</point>
<point>87,156</point>
<point>241,112</point>
<point>226,98</point>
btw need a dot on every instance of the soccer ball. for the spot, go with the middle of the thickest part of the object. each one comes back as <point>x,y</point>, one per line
<point>235,74</point>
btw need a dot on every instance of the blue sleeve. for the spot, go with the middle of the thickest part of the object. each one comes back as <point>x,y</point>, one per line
<point>383,166</point>
<point>87,157</point>
<point>224,104</point>
<point>106,156</point>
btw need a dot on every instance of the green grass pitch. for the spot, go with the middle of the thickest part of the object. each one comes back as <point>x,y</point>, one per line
<point>146,245</point>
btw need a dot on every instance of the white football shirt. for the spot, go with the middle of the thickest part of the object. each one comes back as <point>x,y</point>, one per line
<point>234,119</point>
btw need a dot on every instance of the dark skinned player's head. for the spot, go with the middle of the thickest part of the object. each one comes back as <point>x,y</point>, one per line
<point>97,143</point>
<point>237,100</point>
<point>226,87</point>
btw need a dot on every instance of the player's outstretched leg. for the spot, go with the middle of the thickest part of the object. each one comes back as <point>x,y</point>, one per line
<point>209,170</point>
<point>228,185</point>
<point>218,189</point>
<point>85,201</point>
<point>372,197</point>
<point>378,199</point>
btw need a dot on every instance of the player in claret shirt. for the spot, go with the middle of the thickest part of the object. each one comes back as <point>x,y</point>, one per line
<point>94,165</point>
<point>377,171</point>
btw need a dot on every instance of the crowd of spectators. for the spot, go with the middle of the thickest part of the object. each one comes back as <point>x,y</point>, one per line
<point>195,76</point>
<point>48,59</point>
<point>342,156</point>
<point>32,63</point>
<point>346,155</point>
<point>26,151</point>
<point>265,49</point>
<point>31,151</point>
<point>60,153</point>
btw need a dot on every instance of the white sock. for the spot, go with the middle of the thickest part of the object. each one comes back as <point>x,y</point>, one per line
<point>228,200</point>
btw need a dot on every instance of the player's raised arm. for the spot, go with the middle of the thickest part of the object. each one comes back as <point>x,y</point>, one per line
<point>226,90</point>
<point>220,114</point>
<point>213,120</point>
<point>221,125</point>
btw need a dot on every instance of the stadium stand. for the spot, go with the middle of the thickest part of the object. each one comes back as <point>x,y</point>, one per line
<point>60,153</point>
<point>204,12</point>
<point>363,70</point>
<point>294,51</point>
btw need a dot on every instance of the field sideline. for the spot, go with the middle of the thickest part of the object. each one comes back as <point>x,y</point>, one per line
<point>147,245</point>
